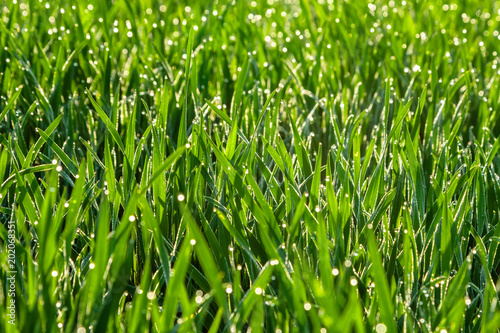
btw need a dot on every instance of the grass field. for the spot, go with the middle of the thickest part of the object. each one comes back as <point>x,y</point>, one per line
<point>264,166</point>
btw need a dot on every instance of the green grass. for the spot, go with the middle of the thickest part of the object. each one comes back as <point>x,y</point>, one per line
<point>267,166</point>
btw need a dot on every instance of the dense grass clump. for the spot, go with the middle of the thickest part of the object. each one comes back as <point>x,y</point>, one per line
<point>263,166</point>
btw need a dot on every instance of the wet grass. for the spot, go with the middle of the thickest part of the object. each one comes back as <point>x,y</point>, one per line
<point>278,166</point>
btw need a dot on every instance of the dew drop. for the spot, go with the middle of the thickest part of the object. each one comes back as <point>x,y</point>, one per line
<point>381,328</point>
